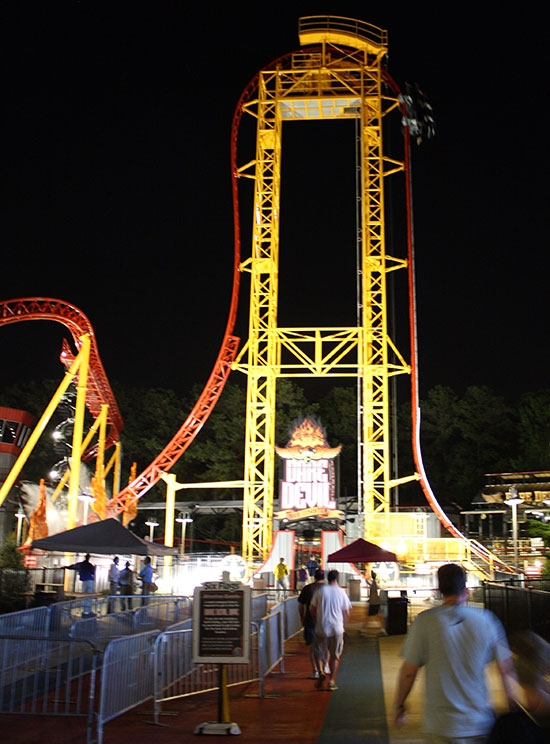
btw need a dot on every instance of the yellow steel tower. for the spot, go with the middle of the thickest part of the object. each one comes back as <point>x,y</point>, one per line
<point>337,74</point>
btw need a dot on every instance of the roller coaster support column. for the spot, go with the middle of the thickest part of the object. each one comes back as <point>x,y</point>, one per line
<point>373,365</point>
<point>262,338</point>
<point>46,416</point>
<point>170,480</point>
<point>78,430</point>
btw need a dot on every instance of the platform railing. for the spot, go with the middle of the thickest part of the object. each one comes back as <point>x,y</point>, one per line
<point>519,608</point>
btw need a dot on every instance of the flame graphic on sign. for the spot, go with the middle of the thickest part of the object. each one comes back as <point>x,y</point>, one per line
<point>307,442</point>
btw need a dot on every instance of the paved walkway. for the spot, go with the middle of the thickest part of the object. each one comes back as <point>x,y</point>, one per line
<point>293,711</point>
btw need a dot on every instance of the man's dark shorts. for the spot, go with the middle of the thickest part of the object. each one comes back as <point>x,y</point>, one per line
<point>374,610</point>
<point>309,635</point>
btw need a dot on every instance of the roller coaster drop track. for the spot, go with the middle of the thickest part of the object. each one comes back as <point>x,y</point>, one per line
<point>13,311</point>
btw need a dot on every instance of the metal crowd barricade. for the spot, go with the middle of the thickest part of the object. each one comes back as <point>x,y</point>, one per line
<point>161,612</point>
<point>293,623</point>
<point>127,677</point>
<point>176,676</point>
<point>271,642</point>
<point>64,614</point>
<point>48,677</point>
<point>259,607</point>
<point>26,622</point>
<point>104,626</point>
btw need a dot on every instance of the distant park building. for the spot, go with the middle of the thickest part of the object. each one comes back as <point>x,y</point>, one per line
<point>15,429</point>
<point>489,519</point>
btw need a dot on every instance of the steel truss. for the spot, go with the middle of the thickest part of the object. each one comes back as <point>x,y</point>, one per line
<point>326,82</point>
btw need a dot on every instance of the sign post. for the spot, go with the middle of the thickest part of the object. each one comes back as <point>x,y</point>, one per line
<point>221,635</point>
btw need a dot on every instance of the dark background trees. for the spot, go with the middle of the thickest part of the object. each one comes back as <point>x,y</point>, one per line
<point>464,435</point>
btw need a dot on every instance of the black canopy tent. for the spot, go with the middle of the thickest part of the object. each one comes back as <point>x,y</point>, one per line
<point>102,538</point>
<point>361,551</point>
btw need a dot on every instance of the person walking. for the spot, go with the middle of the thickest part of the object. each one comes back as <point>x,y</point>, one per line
<point>304,601</point>
<point>281,582</point>
<point>530,723</point>
<point>126,581</point>
<point>330,607</point>
<point>301,578</point>
<point>454,643</point>
<point>374,613</point>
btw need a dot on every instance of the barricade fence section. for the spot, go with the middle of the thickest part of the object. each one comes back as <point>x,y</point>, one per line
<point>259,607</point>
<point>272,648</point>
<point>160,612</point>
<point>104,626</point>
<point>293,623</point>
<point>48,677</point>
<point>176,675</point>
<point>157,614</point>
<point>127,677</point>
<point>519,608</point>
<point>64,614</point>
<point>26,622</point>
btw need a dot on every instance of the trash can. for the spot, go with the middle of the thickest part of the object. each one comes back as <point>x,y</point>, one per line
<point>355,590</point>
<point>397,615</point>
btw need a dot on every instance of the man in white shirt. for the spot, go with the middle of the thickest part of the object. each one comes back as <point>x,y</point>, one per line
<point>454,643</point>
<point>330,607</point>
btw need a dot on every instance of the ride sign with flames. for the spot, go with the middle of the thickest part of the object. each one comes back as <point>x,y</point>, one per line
<point>308,486</point>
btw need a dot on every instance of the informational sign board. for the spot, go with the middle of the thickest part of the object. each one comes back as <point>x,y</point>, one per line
<point>221,623</point>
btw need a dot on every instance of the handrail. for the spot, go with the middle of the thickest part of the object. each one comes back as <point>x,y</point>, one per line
<point>342,25</point>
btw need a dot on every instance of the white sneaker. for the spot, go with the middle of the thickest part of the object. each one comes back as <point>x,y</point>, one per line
<point>314,675</point>
<point>327,669</point>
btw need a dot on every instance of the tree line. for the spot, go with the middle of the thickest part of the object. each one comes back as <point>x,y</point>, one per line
<point>464,435</point>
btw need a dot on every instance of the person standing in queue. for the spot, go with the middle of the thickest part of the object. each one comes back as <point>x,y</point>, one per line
<point>114,575</point>
<point>146,576</point>
<point>86,574</point>
<point>126,581</point>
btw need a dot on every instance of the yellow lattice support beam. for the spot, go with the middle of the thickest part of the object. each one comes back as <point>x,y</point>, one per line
<point>326,82</point>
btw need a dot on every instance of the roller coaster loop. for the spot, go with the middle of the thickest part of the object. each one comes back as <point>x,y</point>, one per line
<point>13,311</point>
<point>99,391</point>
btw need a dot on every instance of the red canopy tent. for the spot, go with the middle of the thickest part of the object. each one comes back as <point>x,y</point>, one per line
<point>361,551</point>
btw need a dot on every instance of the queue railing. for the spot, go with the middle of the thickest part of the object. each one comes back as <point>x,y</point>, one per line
<point>45,676</point>
<point>126,678</point>
<point>176,676</point>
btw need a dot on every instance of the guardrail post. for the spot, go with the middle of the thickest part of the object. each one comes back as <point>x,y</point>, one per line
<point>281,640</point>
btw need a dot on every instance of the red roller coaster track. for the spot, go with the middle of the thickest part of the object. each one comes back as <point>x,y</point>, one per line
<point>99,391</point>
<point>13,311</point>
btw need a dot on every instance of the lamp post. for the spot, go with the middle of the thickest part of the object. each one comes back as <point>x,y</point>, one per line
<point>87,498</point>
<point>513,501</point>
<point>151,524</point>
<point>183,519</point>
<point>20,516</point>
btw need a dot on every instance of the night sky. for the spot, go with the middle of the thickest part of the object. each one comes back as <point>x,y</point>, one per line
<point>118,189</point>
